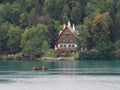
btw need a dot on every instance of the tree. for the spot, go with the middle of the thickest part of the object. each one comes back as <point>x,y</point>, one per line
<point>27,5</point>
<point>100,32</point>
<point>14,39</point>
<point>83,36</point>
<point>32,47</point>
<point>91,10</point>
<point>45,46</point>
<point>33,38</point>
<point>53,8</point>
<point>64,18</point>
<point>108,6</point>
<point>46,20</point>
<point>23,20</point>
<point>76,13</point>
<point>5,11</point>
<point>4,27</point>
<point>10,12</point>
<point>117,49</point>
<point>116,32</point>
<point>24,38</point>
<point>32,18</point>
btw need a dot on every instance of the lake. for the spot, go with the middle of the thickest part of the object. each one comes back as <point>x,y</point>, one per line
<point>62,75</point>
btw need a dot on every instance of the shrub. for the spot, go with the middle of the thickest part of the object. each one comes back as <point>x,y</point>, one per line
<point>9,58</point>
<point>19,58</point>
<point>95,55</point>
<point>117,54</point>
<point>1,59</point>
<point>61,52</point>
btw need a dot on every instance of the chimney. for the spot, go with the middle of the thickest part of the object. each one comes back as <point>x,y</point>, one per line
<point>73,27</point>
<point>69,23</point>
<point>64,26</point>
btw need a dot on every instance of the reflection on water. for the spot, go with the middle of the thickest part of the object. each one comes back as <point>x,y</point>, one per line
<point>62,75</point>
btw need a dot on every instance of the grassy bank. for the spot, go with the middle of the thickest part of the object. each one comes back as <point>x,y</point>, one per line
<point>48,56</point>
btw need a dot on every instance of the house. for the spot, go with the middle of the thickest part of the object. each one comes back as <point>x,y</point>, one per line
<point>67,38</point>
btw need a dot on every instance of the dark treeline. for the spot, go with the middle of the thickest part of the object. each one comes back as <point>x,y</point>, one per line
<point>31,26</point>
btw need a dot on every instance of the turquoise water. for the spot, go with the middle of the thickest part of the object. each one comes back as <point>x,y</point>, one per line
<point>62,75</point>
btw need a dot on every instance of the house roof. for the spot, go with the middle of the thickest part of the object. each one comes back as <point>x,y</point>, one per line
<point>60,33</point>
<point>71,28</point>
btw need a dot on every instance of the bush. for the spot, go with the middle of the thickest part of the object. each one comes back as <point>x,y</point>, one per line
<point>117,54</point>
<point>19,58</point>
<point>9,58</point>
<point>95,55</point>
<point>1,59</point>
<point>88,55</point>
<point>61,52</point>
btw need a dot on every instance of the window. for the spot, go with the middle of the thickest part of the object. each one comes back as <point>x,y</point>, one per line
<point>73,45</point>
<point>69,46</point>
<point>64,45</point>
<point>66,34</point>
<point>60,45</point>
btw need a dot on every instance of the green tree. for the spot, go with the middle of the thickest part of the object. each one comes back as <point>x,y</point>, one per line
<point>4,27</point>
<point>10,12</point>
<point>5,13</point>
<point>83,36</point>
<point>116,31</point>
<point>53,8</point>
<point>64,18</point>
<point>100,32</point>
<point>32,18</point>
<point>117,49</point>
<point>14,39</point>
<point>24,38</point>
<point>76,13</point>
<point>45,47</point>
<point>23,20</point>
<point>33,38</point>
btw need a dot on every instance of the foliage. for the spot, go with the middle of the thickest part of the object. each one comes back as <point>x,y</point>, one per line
<point>95,55</point>
<point>14,39</point>
<point>45,47</point>
<point>4,27</point>
<point>61,52</point>
<point>23,19</point>
<point>33,38</point>
<point>19,58</point>
<point>1,59</point>
<point>9,59</point>
<point>83,37</point>
<point>100,32</point>
<point>98,22</point>
<point>117,49</point>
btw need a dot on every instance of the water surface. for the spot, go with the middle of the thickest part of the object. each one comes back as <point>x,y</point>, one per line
<point>62,75</point>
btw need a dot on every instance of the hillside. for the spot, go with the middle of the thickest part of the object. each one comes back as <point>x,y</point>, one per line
<point>31,26</point>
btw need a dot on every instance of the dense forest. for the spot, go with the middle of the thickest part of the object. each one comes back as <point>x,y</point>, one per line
<point>31,26</point>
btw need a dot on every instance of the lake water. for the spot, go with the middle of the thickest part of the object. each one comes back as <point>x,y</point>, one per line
<point>62,75</point>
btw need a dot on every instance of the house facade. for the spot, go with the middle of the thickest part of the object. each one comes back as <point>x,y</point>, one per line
<point>67,38</point>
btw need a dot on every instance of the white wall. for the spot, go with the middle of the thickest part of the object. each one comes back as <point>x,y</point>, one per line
<point>67,45</point>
